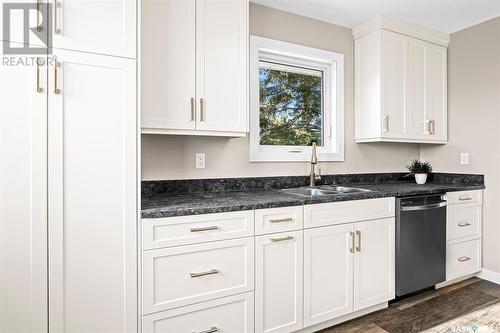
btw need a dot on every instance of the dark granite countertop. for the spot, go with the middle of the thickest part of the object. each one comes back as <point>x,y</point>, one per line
<point>155,205</point>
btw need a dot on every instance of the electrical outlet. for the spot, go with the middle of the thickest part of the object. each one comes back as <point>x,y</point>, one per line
<point>200,160</point>
<point>464,158</point>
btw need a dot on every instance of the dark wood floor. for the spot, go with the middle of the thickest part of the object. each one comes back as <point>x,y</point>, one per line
<point>469,306</point>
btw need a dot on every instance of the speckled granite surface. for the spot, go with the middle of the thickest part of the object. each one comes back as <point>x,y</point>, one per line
<point>177,198</point>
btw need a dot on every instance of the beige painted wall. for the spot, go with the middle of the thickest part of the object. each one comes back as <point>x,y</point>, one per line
<point>474,122</point>
<point>173,157</point>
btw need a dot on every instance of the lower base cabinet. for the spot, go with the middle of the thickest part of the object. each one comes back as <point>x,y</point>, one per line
<point>328,270</point>
<point>347,268</point>
<point>302,267</point>
<point>278,282</point>
<point>228,314</point>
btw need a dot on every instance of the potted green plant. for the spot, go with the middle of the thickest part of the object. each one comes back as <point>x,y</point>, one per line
<point>420,170</point>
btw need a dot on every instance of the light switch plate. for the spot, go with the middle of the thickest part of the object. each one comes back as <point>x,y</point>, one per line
<point>200,160</point>
<point>464,158</point>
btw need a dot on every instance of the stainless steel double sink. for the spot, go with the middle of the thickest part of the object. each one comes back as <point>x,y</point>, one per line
<point>323,190</point>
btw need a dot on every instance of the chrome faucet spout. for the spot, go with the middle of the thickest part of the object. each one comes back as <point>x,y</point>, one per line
<point>314,160</point>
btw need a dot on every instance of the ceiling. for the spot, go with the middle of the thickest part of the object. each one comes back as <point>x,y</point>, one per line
<point>443,15</point>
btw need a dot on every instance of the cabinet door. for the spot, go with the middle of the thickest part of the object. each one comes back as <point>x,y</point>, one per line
<point>428,90</point>
<point>168,64</point>
<point>374,263</point>
<point>278,285</point>
<point>395,120</point>
<point>418,88</point>
<point>437,91</point>
<point>18,26</point>
<point>222,39</point>
<point>92,194</point>
<point>23,199</point>
<point>328,273</point>
<point>104,26</point>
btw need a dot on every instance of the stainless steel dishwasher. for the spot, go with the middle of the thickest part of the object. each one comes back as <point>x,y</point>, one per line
<point>420,243</point>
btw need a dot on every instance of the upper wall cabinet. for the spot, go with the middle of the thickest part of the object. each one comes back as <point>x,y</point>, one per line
<point>107,27</point>
<point>400,83</point>
<point>194,68</point>
<point>104,27</point>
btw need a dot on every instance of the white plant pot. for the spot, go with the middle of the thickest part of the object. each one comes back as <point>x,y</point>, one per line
<point>420,178</point>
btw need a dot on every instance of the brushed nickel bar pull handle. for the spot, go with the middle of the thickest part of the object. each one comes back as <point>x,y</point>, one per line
<point>57,91</point>
<point>353,242</point>
<point>428,127</point>
<point>38,88</point>
<point>463,259</point>
<point>38,26</point>
<point>192,108</point>
<point>358,247</point>
<point>210,330</point>
<point>200,274</point>
<point>202,109</point>
<point>386,123</point>
<point>432,127</point>
<point>464,224</point>
<point>286,219</point>
<point>281,239</point>
<point>465,198</point>
<point>204,228</point>
<point>56,21</point>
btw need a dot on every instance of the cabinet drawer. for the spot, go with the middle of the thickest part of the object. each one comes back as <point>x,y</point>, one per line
<point>228,314</point>
<point>463,259</point>
<point>324,214</point>
<point>179,276</point>
<point>182,230</point>
<point>463,222</point>
<point>278,220</point>
<point>465,197</point>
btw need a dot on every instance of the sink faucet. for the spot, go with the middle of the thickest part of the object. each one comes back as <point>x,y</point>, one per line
<point>314,160</point>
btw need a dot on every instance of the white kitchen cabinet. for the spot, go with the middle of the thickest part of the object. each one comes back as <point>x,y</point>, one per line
<point>348,268</point>
<point>168,64</point>
<point>184,275</point>
<point>428,89</point>
<point>227,314</point>
<point>221,84</point>
<point>395,121</point>
<point>23,198</point>
<point>17,24</point>
<point>463,234</point>
<point>194,74</point>
<point>400,83</point>
<point>328,273</point>
<point>104,26</point>
<point>92,193</point>
<point>278,283</point>
<point>374,263</point>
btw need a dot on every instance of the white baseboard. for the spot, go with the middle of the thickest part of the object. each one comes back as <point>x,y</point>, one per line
<point>488,275</point>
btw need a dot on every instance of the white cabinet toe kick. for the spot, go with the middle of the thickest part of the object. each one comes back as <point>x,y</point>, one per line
<point>271,270</point>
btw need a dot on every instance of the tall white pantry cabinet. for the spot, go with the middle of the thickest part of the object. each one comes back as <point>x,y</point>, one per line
<point>68,175</point>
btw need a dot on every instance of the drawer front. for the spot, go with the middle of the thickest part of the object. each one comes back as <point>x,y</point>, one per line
<point>183,230</point>
<point>179,276</point>
<point>463,222</point>
<point>463,259</point>
<point>324,214</point>
<point>465,197</point>
<point>228,314</point>
<point>278,220</point>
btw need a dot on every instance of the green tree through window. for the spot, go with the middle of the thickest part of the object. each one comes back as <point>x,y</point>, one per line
<point>290,107</point>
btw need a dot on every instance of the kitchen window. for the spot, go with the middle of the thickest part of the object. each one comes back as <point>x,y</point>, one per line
<point>296,98</point>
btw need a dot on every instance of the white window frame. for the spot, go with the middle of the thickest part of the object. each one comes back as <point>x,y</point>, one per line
<point>332,66</point>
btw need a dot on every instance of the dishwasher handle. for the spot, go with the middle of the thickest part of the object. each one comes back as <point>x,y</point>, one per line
<point>423,207</point>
